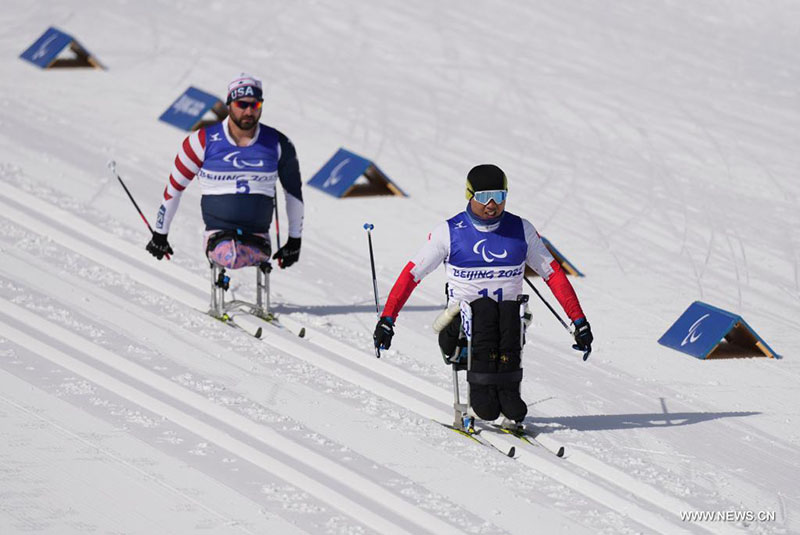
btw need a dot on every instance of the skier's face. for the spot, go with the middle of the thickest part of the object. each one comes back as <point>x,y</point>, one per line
<point>245,112</point>
<point>487,211</point>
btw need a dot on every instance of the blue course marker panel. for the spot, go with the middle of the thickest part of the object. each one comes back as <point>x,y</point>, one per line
<point>702,327</point>
<point>188,110</point>
<point>339,175</point>
<point>45,50</point>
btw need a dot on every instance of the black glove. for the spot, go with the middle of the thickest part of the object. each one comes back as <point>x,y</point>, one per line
<point>289,253</point>
<point>159,246</point>
<point>583,335</point>
<point>384,331</point>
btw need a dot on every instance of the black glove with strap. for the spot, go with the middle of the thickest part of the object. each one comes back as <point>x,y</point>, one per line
<point>289,253</point>
<point>384,331</point>
<point>158,246</point>
<point>583,336</point>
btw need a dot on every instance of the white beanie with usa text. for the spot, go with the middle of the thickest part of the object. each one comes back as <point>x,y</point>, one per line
<point>243,86</point>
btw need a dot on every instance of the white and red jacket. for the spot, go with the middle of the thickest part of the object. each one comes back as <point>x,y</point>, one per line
<point>484,260</point>
<point>237,182</point>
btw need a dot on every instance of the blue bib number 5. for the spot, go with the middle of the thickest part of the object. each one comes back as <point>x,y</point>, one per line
<point>242,186</point>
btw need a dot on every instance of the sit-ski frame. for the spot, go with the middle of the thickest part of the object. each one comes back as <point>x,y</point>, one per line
<point>222,309</point>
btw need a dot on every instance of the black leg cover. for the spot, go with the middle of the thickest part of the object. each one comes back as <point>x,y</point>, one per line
<point>511,403</point>
<point>485,327</point>
<point>485,338</point>
<point>509,326</point>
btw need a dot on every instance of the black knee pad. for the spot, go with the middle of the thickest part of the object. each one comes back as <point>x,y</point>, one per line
<point>511,403</point>
<point>483,398</point>
<point>485,402</point>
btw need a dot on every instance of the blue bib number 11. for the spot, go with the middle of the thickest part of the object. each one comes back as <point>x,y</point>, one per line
<point>498,292</point>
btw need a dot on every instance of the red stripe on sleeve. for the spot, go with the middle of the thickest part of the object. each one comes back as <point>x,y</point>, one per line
<point>400,293</point>
<point>182,168</point>
<point>564,292</point>
<point>167,196</point>
<point>187,148</point>
<point>175,184</point>
<point>202,136</point>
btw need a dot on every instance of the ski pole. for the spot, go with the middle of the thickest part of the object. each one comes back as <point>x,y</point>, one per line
<point>278,230</point>
<point>558,317</point>
<point>112,166</point>
<point>368,227</point>
<point>556,314</point>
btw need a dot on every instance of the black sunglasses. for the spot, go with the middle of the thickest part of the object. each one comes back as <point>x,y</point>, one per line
<point>243,104</point>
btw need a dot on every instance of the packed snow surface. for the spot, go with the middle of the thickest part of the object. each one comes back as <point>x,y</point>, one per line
<point>654,143</point>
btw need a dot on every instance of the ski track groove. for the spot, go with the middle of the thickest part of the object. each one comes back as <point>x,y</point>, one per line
<point>386,381</point>
<point>128,465</point>
<point>176,341</point>
<point>133,324</point>
<point>315,469</point>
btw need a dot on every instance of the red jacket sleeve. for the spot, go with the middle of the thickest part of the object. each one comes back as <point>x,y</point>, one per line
<point>564,292</point>
<point>400,293</point>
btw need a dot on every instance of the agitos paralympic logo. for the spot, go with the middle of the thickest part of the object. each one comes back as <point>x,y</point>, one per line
<point>241,164</point>
<point>480,248</point>
<point>334,178</point>
<point>693,335</point>
<point>42,50</point>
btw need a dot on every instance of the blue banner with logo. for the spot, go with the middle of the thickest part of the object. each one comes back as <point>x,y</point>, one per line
<point>341,171</point>
<point>702,327</point>
<point>46,49</point>
<point>339,175</point>
<point>189,108</point>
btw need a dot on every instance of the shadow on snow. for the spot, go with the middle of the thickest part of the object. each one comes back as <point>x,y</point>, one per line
<point>603,422</point>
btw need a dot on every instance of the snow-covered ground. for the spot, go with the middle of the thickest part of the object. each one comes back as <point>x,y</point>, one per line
<point>655,143</point>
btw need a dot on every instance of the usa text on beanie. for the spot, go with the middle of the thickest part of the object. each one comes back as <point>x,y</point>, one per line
<point>244,86</point>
